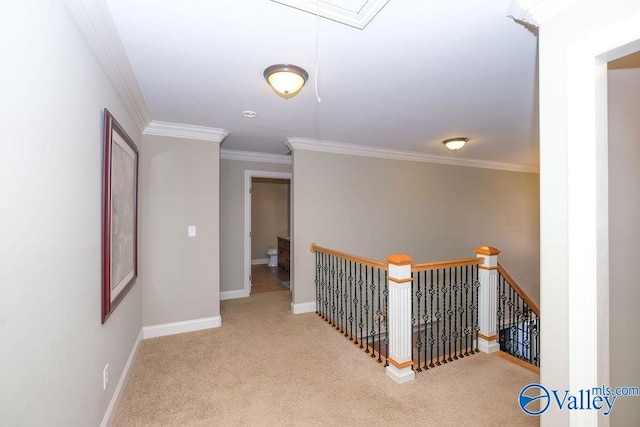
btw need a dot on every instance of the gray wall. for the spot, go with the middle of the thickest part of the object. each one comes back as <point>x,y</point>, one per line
<point>375,207</point>
<point>624,238</point>
<point>179,186</point>
<point>270,206</point>
<point>232,218</point>
<point>53,345</point>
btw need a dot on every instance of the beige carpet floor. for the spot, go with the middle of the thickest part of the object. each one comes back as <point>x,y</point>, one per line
<point>266,366</point>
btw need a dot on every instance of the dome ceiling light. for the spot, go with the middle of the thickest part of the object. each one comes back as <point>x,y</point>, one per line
<point>286,80</point>
<point>454,144</point>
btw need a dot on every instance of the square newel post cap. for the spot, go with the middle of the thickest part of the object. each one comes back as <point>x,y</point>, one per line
<point>487,251</point>
<point>399,268</point>
<point>399,259</point>
<point>490,255</point>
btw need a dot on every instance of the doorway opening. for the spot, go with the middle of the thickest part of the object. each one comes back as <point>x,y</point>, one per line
<point>267,225</point>
<point>588,229</point>
<point>623,90</point>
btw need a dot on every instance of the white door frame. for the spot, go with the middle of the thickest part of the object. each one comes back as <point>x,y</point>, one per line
<point>588,209</point>
<point>248,176</point>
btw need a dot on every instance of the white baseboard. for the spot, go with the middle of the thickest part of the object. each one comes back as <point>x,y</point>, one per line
<point>400,376</point>
<point>233,294</point>
<point>488,346</point>
<point>305,307</point>
<point>260,261</point>
<point>107,420</point>
<point>181,327</point>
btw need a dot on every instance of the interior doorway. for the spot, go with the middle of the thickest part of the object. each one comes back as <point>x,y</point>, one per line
<point>623,92</point>
<point>588,222</point>
<point>267,217</point>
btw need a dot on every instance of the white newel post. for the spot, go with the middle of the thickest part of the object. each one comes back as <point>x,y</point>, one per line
<point>487,299</point>
<point>400,367</point>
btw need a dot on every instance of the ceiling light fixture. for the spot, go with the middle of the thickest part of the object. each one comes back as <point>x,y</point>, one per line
<point>454,144</point>
<point>286,80</point>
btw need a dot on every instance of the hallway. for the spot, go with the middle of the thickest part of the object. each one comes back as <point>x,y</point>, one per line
<point>266,366</point>
<point>267,279</point>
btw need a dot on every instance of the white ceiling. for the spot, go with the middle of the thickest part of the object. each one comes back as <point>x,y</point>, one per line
<point>418,73</point>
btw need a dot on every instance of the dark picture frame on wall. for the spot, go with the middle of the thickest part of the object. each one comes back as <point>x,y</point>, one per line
<point>119,215</point>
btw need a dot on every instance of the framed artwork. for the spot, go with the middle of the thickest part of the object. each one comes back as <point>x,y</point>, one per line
<point>119,215</point>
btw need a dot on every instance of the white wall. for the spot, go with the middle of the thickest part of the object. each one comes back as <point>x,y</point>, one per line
<point>574,347</point>
<point>179,187</point>
<point>375,207</point>
<point>53,346</point>
<point>624,235</point>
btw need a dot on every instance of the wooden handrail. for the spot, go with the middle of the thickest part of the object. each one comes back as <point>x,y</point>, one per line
<point>426,266</point>
<point>432,266</point>
<point>350,257</point>
<point>532,305</point>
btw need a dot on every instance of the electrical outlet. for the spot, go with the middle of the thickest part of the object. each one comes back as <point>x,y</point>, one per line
<point>105,377</point>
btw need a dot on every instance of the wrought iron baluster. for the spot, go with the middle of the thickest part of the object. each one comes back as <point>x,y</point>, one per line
<point>424,316</point>
<point>325,269</point>
<point>459,310</point>
<point>415,283</point>
<point>319,275</point>
<point>466,311</point>
<point>472,307</point>
<point>329,290</point>
<point>385,313</point>
<point>536,335</point>
<point>360,307</point>
<point>501,314</point>
<point>379,316</point>
<point>477,292</point>
<point>351,290</point>
<point>366,307</point>
<point>334,297</point>
<point>454,309</point>
<point>449,313</point>
<point>511,324</point>
<point>438,317</point>
<point>524,323</point>
<point>425,319</point>
<point>430,320</point>
<point>374,314</point>
<point>518,324</point>
<point>340,325</point>
<point>317,283</point>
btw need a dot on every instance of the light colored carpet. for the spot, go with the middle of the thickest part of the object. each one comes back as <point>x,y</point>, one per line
<point>266,366</point>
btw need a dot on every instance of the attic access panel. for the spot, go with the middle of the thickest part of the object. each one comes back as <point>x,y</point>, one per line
<point>355,13</point>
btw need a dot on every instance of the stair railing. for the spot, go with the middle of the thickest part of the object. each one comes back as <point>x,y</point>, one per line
<point>352,296</point>
<point>518,320</point>
<point>414,317</point>
<point>445,311</point>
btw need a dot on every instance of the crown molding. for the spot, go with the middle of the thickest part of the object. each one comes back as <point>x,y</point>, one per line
<point>250,156</point>
<point>179,130</point>
<point>95,23</point>
<point>354,18</point>
<point>385,153</point>
<point>534,12</point>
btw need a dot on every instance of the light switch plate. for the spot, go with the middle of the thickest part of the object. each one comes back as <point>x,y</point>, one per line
<point>191,231</point>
